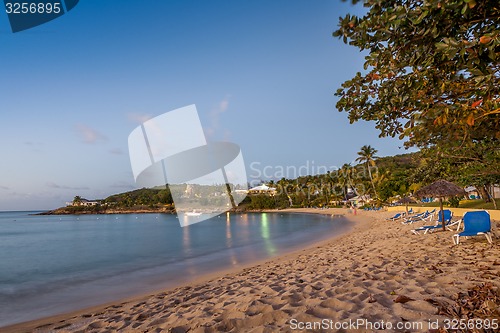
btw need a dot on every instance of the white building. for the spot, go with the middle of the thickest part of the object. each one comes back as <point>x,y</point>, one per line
<point>84,202</point>
<point>262,189</point>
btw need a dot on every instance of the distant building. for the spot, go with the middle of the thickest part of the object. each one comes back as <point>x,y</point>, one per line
<point>189,192</point>
<point>241,191</point>
<point>360,200</point>
<point>262,189</point>
<point>348,195</point>
<point>472,192</point>
<point>84,202</point>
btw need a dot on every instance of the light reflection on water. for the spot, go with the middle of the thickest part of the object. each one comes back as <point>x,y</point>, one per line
<point>50,264</point>
<point>264,230</point>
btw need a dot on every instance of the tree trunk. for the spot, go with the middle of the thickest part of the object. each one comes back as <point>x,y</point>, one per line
<point>228,189</point>
<point>484,193</point>
<point>442,213</point>
<point>491,196</point>
<point>371,180</point>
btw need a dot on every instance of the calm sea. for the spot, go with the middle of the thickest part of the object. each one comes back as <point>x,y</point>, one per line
<point>56,264</point>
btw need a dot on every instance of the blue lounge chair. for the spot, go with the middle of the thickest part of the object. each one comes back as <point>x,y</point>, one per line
<point>475,224</point>
<point>415,218</point>
<point>395,217</point>
<point>425,216</point>
<point>448,214</point>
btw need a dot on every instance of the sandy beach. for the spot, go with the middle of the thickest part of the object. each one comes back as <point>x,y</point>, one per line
<point>378,274</point>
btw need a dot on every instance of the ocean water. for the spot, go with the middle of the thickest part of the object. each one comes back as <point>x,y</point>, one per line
<point>56,264</point>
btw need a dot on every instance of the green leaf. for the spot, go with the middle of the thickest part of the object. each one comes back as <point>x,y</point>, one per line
<point>464,9</point>
<point>441,64</point>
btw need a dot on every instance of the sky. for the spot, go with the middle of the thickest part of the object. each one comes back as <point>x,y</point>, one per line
<point>261,73</point>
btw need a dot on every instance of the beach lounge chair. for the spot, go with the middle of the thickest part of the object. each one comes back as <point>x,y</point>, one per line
<point>425,216</point>
<point>432,212</point>
<point>475,224</point>
<point>414,218</point>
<point>395,217</point>
<point>448,214</point>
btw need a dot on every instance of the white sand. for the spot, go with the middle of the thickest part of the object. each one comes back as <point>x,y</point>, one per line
<point>356,276</point>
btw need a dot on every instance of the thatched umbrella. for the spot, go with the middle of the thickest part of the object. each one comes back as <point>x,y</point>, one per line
<point>406,200</point>
<point>440,189</point>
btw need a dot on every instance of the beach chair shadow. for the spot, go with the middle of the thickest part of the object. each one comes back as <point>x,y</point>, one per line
<point>475,224</point>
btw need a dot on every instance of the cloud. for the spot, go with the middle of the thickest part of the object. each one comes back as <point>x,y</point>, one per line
<point>116,151</point>
<point>32,143</point>
<point>224,104</point>
<point>123,185</point>
<point>21,195</point>
<point>214,115</point>
<point>139,118</point>
<point>64,187</point>
<point>217,111</point>
<point>90,135</point>
<point>34,146</point>
<point>4,187</point>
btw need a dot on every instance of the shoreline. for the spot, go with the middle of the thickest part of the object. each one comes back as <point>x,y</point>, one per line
<point>110,211</point>
<point>59,211</point>
<point>378,271</point>
<point>31,325</point>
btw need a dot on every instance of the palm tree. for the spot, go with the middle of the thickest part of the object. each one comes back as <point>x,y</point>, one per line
<point>367,156</point>
<point>77,200</point>
<point>283,184</point>
<point>345,178</point>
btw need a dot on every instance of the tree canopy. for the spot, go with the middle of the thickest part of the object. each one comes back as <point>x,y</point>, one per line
<point>432,71</point>
<point>431,77</point>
